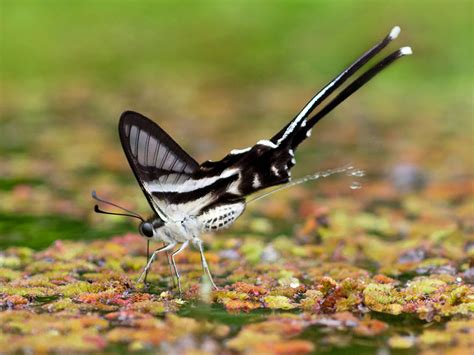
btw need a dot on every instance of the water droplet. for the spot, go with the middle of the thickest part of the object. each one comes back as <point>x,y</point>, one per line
<point>358,173</point>
<point>356,185</point>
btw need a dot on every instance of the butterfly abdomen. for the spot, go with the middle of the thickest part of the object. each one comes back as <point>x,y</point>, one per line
<point>221,216</point>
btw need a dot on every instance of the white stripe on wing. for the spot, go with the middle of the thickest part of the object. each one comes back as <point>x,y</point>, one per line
<point>188,185</point>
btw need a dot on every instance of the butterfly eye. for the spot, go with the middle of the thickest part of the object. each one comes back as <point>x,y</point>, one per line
<point>146,229</point>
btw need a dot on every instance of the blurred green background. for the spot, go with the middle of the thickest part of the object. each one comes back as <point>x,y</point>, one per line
<point>216,75</point>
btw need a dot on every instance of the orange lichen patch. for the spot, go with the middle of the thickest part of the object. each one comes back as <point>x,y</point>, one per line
<point>309,227</point>
<point>273,336</point>
<point>195,258</point>
<point>63,250</point>
<point>183,326</point>
<point>370,327</point>
<point>285,347</point>
<point>347,319</point>
<point>311,300</point>
<point>327,285</point>
<point>285,325</point>
<point>243,297</point>
<point>338,272</point>
<point>241,305</point>
<point>149,307</point>
<point>249,340</point>
<point>109,296</point>
<point>152,336</point>
<point>43,332</point>
<point>251,290</point>
<point>13,302</point>
<point>383,279</point>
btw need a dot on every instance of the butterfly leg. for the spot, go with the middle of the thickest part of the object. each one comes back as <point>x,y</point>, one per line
<point>198,243</point>
<point>152,258</point>
<point>147,258</point>
<point>178,277</point>
<point>172,269</point>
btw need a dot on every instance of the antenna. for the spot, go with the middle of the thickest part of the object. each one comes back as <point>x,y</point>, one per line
<point>98,210</point>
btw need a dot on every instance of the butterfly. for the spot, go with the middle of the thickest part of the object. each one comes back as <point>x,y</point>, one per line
<point>188,198</point>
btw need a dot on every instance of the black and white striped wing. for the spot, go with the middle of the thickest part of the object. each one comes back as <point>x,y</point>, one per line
<point>269,161</point>
<point>158,162</point>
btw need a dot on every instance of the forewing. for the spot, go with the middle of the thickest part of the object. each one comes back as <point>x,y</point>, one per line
<point>157,161</point>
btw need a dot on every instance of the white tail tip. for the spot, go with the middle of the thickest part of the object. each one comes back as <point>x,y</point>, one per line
<point>394,32</point>
<point>406,51</point>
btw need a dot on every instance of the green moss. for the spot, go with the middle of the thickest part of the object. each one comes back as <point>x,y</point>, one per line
<point>401,342</point>
<point>7,274</point>
<point>436,337</point>
<point>76,288</point>
<point>374,224</point>
<point>383,298</point>
<point>311,299</point>
<point>61,305</point>
<point>423,286</point>
<point>10,262</point>
<point>433,262</point>
<point>252,250</point>
<point>460,294</point>
<point>286,246</point>
<point>29,292</point>
<point>151,307</point>
<point>278,302</point>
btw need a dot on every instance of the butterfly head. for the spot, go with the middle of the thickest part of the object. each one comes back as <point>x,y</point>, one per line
<point>149,227</point>
<point>146,229</point>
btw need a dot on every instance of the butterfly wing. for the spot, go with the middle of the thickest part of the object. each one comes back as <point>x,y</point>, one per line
<point>268,162</point>
<point>157,161</point>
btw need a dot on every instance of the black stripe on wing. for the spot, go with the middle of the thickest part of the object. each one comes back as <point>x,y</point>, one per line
<point>155,158</point>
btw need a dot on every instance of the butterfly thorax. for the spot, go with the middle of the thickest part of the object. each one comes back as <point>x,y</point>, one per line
<point>177,231</point>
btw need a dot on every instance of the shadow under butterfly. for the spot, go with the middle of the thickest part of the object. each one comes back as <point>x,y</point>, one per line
<point>188,198</point>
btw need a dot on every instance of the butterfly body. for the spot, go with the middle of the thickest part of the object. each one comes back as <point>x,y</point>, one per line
<point>177,231</point>
<point>190,198</point>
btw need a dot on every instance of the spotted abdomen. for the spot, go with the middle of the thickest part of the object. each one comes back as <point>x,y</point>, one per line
<point>221,216</point>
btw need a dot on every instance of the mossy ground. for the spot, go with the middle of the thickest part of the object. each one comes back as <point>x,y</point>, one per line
<point>300,292</point>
